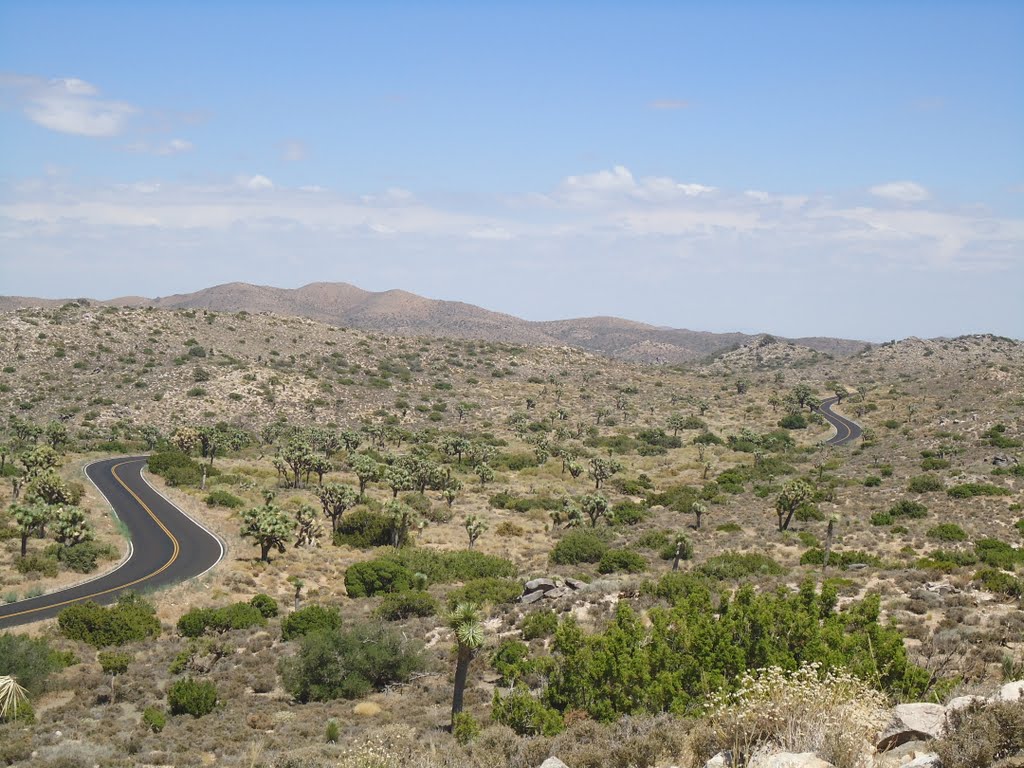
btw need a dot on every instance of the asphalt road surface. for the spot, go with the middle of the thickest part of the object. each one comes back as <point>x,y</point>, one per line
<point>166,545</point>
<point>846,430</point>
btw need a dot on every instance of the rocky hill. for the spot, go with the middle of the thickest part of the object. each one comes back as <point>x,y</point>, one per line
<point>407,314</point>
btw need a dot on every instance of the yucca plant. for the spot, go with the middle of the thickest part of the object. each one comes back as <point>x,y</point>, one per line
<point>12,696</point>
<point>466,621</point>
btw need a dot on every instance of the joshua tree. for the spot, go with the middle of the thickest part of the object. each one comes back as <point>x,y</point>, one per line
<point>466,621</point>
<point>475,527</point>
<point>698,509</point>
<point>366,469</point>
<point>31,520</point>
<point>684,551</point>
<point>484,472</point>
<point>336,499</point>
<point>70,527</point>
<point>676,422</point>
<point>601,469</point>
<point>12,696</point>
<point>795,493</point>
<point>268,526</point>
<point>308,528</point>
<point>403,519</point>
<point>594,506</point>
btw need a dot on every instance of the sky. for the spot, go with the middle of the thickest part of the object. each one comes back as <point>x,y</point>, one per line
<point>849,169</point>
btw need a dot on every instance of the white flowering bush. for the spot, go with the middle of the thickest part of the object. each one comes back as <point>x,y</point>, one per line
<point>834,714</point>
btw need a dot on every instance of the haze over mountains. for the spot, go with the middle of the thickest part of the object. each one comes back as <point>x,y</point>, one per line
<point>404,313</point>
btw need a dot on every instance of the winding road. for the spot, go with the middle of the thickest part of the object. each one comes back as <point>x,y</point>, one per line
<point>846,430</point>
<point>166,545</point>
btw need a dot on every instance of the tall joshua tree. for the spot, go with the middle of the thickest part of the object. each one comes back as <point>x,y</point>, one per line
<point>466,621</point>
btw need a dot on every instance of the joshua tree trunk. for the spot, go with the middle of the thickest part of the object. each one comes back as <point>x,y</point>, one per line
<point>465,656</point>
<point>828,544</point>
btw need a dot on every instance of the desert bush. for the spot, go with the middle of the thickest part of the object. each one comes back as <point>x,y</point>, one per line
<point>578,547</point>
<point>924,484</point>
<point>221,498</point>
<point>363,528</point>
<point>509,529</point>
<point>34,562</point>
<point>82,557</point>
<point>947,532</point>
<point>909,509</point>
<point>739,565</point>
<point>154,718</point>
<point>1000,582</point>
<point>525,714</point>
<point>998,554</point>
<point>489,591</point>
<point>968,490</point>
<point>621,561</point>
<point>462,565</point>
<point>982,734</point>
<point>349,663</point>
<point>265,604</point>
<point>676,586</point>
<point>130,619</point>
<point>30,660</point>
<point>177,468</point>
<point>540,623</point>
<point>628,513</point>
<point>235,616</point>
<point>465,727</point>
<point>192,697</point>
<point>309,620</point>
<point>834,715</point>
<point>373,577</point>
<point>404,605</point>
<point>838,558</point>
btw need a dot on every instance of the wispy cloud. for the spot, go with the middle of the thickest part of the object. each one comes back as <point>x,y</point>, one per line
<point>293,151</point>
<point>669,104</point>
<point>66,105</point>
<point>901,191</point>
<point>164,149</point>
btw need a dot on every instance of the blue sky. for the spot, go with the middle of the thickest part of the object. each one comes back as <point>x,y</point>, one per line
<point>852,169</point>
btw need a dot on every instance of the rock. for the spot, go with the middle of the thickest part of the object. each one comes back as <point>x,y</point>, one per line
<point>1011,691</point>
<point>366,709</point>
<point>554,594</point>
<point>1000,460</point>
<point>912,722</point>
<point>942,587</point>
<point>789,760</point>
<point>553,762</point>
<point>721,760</point>
<point>575,583</point>
<point>531,597</point>
<point>962,702</point>
<point>927,760</point>
<point>542,584</point>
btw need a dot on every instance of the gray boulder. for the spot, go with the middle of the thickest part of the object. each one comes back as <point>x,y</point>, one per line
<point>553,762</point>
<point>531,597</point>
<point>541,584</point>
<point>789,760</point>
<point>1011,691</point>
<point>912,722</point>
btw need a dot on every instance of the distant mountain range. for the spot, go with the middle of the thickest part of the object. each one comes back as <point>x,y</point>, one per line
<point>403,313</point>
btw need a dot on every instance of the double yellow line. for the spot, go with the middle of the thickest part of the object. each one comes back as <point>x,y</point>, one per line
<point>161,569</point>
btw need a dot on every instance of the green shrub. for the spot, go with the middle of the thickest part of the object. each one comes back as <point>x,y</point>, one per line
<point>793,421</point>
<point>350,663</point>
<point>465,728</point>
<point>882,518</point>
<point>910,509</point>
<point>538,623</point>
<point>668,551</point>
<point>653,540</point>
<point>578,547</point>
<point>838,558</point>
<point>729,528</point>
<point>628,513</point>
<point>676,585</point>
<point>1000,582</point>
<point>31,660</point>
<point>363,528</point>
<point>872,481</point>
<point>947,532</point>
<point>934,462</point>
<point>128,620</point>
<point>310,620</point>
<point>462,565</point>
<point>525,714</point>
<point>82,557</point>
<point>621,561</point>
<point>924,484</point>
<point>969,490</point>
<point>998,554</point>
<point>373,577</point>
<point>265,604</point>
<point>192,697</point>
<point>221,498</point>
<point>736,565</point>
<point>489,590</point>
<point>333,732</point>
<point>947,560</point>
<point>176,468</point>
<point>235,616</point>
<point>512,661</point>
<point>154,718</point>
<point>404,605</point>
<point>44,565</point>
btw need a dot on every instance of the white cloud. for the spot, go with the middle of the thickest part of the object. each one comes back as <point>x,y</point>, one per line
<point>619,183</point>
<point>175,147</point>
<point>67,105</point>
<point>256,183</point>
<point>901,191</point>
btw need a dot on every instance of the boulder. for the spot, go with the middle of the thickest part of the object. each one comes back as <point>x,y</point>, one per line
<point>554,594</point>
<point>1011,691</point>
<point>542,584</point>
<point>789,760</point>
<point>962,702</point>
<point>912,722</point>
<point>927,760</point>
<point>531,597</point>
<point>575,583</point>
<point>553,762</point>
<point>721,760</point>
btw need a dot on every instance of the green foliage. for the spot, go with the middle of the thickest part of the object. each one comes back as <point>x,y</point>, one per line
<point>946,560</point>
<point>403,605</point>
<point>997,438</point>
<point>177,468</point>
<point>924,484</point>
<point>696,647</point>
<point>508,500</point>
<point>882,518</point>
<point>31,660</point>
<point>525,714</point>
<point>128,620</point>
<point>793,421</point>
<point>373,577</point>
<point>43,564</point>
<point>350,663</point>
<point>154,718</point>
<point>83,557</point>
<point>934,462</point>
<point>235,616</point>
<point>265,604</point>
<point>538,623</point>
<point>332,733</point>
<point>947,532</point>
<point>969,490</point>
<point>462,565</point>
<point>731,566</point>
<point>465,728</point>
<point>998,554</point>
<point>621,561</point>
<point>222,498</point>
<point>676,585</point>
<point>628,513</point>
<point>192,697</point>
<point>578,547</point>
<point>1000,582</point>
<point>114,662</point>
<point>489,590</point>
<point>363,528</point>
<point>512,661</point>
<point>839,558</point>
<point>913,510</point>
<point>680,542</point>
<point>310,620</point>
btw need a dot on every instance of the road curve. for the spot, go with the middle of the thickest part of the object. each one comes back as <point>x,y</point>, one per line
<point>166,546</point>
<point>846,430</point>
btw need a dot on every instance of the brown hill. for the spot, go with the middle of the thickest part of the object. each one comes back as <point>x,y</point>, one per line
<point>403,313</point>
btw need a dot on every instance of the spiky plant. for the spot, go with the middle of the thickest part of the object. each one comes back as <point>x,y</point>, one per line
<point>466,621</point>
<point>12,696</point>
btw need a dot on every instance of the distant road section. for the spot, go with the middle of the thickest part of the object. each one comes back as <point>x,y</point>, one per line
<point>846,430</point>
<point>166,546</point>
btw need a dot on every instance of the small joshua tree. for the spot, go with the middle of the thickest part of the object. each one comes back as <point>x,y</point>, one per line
<point>475,527</point>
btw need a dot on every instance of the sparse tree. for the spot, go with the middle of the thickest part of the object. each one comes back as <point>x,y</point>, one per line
<point>484,472</point>
<point>31,520</point>
<point>70,527</point>
<point>466,621</point>
<point>601,469</point>
<point>594,506</point>
<point>403,520</point>
<point>308,530</point>
<point>366,469</point>
<point>699,509</point>
<point>451,489</point>
<point>793,495</point>
<point>676,422</point>
<point>804,396</point>
<point>39,460</point>
<point>298,457</point>
<point>269,526</point>
<point>335,499</point>
<point>475,527</point>
<point>397,479</point>
<point>57,435</point>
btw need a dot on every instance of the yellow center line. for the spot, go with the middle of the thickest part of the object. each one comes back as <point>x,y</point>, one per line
<point>161,569</point>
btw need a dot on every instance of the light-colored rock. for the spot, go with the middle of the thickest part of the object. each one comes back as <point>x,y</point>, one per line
<point>543,584</point>
<point>554,594</point>
<point>721,760</point>
<point>927,760</point>
<point>962,702</point>
<point>912,722</point>
<point>575,583</point>
<point>789,760</point>
<point>553,762</point>
<point>1011,691</point>
<point>531,597</point>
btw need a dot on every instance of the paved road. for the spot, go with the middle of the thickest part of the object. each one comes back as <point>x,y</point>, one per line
<point>846,430</point>
<point>166,545</point>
